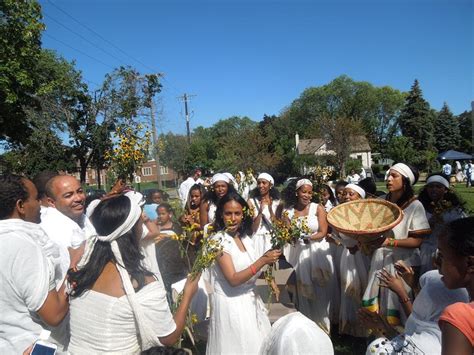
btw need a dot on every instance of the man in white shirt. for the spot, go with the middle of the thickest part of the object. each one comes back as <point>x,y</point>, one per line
<point>353,177</point>
<point>187,184</point>
<point>28,297</point>
<point>64,220</point>
<point>447,169</point>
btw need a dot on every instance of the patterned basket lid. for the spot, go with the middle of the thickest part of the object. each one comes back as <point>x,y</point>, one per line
<point>365,217</point>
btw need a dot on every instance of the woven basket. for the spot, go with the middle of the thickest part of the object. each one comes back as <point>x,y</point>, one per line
<point>365,219</point>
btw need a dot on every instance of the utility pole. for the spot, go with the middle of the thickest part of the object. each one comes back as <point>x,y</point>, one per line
<point>185,98</point>
<point>155,141</point>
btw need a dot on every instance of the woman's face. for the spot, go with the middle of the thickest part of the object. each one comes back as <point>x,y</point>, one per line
<point>195,198</point>
<point>350,195</point>
<point>453,266</point>
<point>436,191</point>
<point>304,194</point>
<point>325,196</point>
<point>263,186</point>
<point>340,193</point>
<point>163,215</point>
<point>394,181</point>
<point>220,188</point>
<point>233,216</point>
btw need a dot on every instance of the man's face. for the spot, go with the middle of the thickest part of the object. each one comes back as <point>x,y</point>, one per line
<point>68,196</point>
<point>31,207</point>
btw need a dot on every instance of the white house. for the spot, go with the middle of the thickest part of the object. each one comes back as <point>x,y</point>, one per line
<point>360,148</point>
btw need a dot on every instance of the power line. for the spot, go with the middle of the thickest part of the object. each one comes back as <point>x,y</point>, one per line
<point>101,37</point>
<point>84,38</point>
<point>78,50</point>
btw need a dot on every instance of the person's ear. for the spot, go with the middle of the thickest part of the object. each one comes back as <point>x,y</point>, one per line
<point>50,202</point>
<point>20,207</point>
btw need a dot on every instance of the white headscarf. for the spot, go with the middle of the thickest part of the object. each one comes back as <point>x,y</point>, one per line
<point>302,182</point>
<point>357,189</point>
<point>439,179</point>
<point>219,177</point>
<point>137,200</point>
<point>404,170</point>
<point>266,176</point>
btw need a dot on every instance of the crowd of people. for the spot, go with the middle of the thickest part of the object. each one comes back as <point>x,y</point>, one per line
<point>99,276</point>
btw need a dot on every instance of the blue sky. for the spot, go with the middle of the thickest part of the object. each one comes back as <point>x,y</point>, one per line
<point>250,58</point>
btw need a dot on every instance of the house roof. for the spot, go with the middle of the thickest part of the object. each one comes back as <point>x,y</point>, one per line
<point>311,146</point>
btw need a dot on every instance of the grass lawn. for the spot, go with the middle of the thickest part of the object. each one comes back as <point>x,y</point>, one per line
<point>465,193</point>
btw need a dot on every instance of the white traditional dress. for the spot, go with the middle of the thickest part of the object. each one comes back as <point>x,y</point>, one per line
<point>239,321</point>
<point>430,242</point>
<point>381,299</point>
<point>316,281</point>
<point>354,272</point>
<point>262,237</point>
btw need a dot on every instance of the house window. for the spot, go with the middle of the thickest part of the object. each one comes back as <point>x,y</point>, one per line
<point>146,171</point>
<point>163,170</point>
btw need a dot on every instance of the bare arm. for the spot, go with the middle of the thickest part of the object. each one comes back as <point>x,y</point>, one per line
<point>409,242</point>
<point>453,341</point>
<point>180,316</point>
<point>55,307</point>
<point>236,278</point>
<point>323,224</point>
<point>203,213</point>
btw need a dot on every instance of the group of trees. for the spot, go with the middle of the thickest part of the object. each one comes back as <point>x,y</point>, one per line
<point>49,119</point>
<point>398,125</point>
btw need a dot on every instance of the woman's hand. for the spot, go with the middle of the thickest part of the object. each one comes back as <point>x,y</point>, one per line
<point>392,282</point>
<point>406,273</point>
<point>370,319</point>
<point>191,285</point>
<point>271,256</point>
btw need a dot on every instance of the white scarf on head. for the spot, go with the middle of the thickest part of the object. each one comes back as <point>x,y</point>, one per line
<point>405,171</point>
<point>302,182</point>
<point>357,189</point>
<point>266,176</point>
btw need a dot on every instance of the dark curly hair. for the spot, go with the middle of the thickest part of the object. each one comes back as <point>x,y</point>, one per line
<point>460,234</point>
<point>274,193</point>
<point>219,223</point>
<point>12,189</point>
<point>108,216</point>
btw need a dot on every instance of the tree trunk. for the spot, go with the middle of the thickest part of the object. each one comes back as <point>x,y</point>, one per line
<point>98,178</point>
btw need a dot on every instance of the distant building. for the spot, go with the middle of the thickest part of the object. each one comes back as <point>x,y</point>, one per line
<point>360,148</point>
<point>147,173</point>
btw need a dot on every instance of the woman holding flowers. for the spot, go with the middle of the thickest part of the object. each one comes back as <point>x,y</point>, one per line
<point>190,220</point>
<point>220,186</point>
<point>401,243</point>
<point>442,206</point>
<point>316,281</point>
<point>263,204</point>
<point>239,321</point>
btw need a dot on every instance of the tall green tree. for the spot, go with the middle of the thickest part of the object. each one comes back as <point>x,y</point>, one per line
<point>466,143</point>
<point>415,120</point>
<point>20,50</point>
<point>446,130</point>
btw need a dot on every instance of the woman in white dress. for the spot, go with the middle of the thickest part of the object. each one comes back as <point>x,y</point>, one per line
<point>401,243</point>
<point>442,206</point>
<point>239,321</point>
<point>316,279</point>
<point>116,304</point>
<point>220,186</point>
<point>264,202</point>
<point>354,271</point>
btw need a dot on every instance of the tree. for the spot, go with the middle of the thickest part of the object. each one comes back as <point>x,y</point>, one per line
<point>416,121</point>
<point>340,134</point>
<point>20,35</point>
<point>401,149</point>
<point>466,143</point>
<point>446,130</point>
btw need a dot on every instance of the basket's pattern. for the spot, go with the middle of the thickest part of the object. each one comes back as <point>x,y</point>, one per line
<point>368,217</point>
